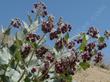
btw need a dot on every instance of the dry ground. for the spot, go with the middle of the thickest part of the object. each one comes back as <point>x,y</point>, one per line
<point>93,74</point>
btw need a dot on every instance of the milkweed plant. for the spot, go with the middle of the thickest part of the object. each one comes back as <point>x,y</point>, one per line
<point>29,58</point>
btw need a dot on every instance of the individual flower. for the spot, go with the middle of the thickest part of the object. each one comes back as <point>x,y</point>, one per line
<point>33,70</point>
<point>78,40</point>
<point>16,23</point>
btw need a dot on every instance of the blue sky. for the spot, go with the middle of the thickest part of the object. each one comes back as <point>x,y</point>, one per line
<point>80,13</point>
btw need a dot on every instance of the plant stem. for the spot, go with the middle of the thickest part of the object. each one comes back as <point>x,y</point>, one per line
<point>16,64</point>
<point>47,70</point>
<point>21,76</point>
<point>30,59</point>
<point>41,38</point>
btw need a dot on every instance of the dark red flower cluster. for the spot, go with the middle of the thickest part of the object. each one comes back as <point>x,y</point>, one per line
<point>64,43</point>
<point>90,47</point>
<point>60,44</point>
<point>66,65</point>
<point>107,34</point>
<point>86,56</point>
<point>41,9</point>
<point>47,26</point>
<point>93,32</point>
<point>40,52</point>
<point>98,57</point>
<point>65,28</point>
<point>101,46</point>
<point>32,37</point>
<point>25,51</point>
<point>16,23</point>
<point>53,35</point>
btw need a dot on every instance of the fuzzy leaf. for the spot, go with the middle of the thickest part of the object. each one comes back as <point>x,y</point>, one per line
<point>13,48</point>
<point>18,56</point>
<point>27,79</point>
<point>26,26</point>
<point>33,26</point>
<point>66,37</point>
<point>101,39</point>
<point>20,35</point>
<point>84,42</point>
<point>30,19</point>
<point>5,56</point>
<point>13,74</point>
<point>84,65</point>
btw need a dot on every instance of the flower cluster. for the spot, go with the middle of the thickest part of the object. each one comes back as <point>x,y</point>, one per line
<point>93,32</point>
<point>86,56</point>
<point>40,52</point>
<point>41,9</point>
<point>90,47</point>
<point>58,62</point>
<point>32,37</point>
<point>25,50</point>
<point>53,35</point>
<point>66,65</point>
<point>98,57</point>
<point>107,34</point>
<point>70,44</point>
<point>48,25</point>
<point>101,46</point>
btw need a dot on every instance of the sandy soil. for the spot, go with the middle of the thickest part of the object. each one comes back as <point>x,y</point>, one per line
<point>93,74</point>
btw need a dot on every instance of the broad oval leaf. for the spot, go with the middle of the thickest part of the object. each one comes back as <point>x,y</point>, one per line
<point>84,65</point>
<point>101,39</point>
<point>20,35</point>
<point>13,74</point>
<point>84,42</point>
<point>5,56</point>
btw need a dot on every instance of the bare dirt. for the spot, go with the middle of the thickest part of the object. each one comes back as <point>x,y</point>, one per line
<point>93,74</point>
